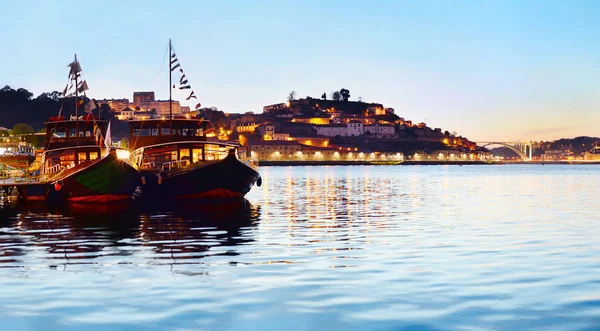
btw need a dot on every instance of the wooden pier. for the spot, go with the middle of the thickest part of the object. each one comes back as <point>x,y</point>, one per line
<point>7,185</point>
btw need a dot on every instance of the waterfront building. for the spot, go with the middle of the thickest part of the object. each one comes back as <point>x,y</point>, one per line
<point>593,155</point>
<point>312,141</point>
<point>380,131</point>
<point>161,107</point>
<point>246,127</point>
<point>313,120</point>
<point>332,130</point>
<point>557,154</point>
<point>274,108</point>
<point>293,151</point>
<point>350,129</point>
<point>130,114</point>
<point>142,97</point>
<point>114,104</point>
<point>125,114</point>
<point>268,133</point>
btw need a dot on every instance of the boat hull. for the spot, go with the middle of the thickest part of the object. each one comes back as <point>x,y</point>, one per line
<point>105,181</point>
<point>220,180</point>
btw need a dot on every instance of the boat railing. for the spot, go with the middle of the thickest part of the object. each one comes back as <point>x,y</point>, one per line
<point>148,166</point>
<point>54,169</point>
<point>175,164</point>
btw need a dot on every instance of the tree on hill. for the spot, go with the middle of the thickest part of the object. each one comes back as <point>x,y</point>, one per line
<point>9,96</point>
<point>291,96</point>
<point>336,96</point>
<point>345,94</point>
<point>54,95</point>
<point>22,128</point>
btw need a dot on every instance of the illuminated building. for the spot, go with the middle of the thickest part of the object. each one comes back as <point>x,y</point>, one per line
<point>142,97</point>
<point>114,104</point>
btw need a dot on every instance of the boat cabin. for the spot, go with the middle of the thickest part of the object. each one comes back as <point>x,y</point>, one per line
<point>70,143</point>
<point>157,131</point>
<point>62,133</point>
<point>167,145</point>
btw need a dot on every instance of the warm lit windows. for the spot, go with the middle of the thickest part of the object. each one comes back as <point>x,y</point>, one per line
<point>82,156</point>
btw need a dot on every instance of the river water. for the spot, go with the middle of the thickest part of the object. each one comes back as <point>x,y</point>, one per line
<point>358,247</point>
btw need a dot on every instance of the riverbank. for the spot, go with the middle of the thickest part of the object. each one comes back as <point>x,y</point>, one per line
<point>349,163</point>
<point>553,162</point>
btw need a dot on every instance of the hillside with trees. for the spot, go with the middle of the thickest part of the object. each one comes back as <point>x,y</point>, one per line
<point>19,106</point>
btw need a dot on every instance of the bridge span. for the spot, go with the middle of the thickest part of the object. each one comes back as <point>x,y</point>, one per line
<point>523,148</point>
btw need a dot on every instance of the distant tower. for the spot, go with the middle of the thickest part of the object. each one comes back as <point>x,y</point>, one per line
<point>324,96</point>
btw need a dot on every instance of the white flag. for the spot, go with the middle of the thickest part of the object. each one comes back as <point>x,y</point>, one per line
<point>108,139</point>
<point>83,86</point>
<point>90,105</point>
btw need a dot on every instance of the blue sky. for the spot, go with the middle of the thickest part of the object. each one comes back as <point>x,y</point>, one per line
<point>485,69</point>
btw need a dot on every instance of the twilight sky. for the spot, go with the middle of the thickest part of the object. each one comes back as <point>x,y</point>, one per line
<point>498,70</point>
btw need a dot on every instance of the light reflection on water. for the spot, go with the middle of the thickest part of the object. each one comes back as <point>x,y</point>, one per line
<point>365,247</point>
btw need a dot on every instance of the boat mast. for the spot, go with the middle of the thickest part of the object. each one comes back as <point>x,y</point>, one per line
<point>170,91</point>
<point>76,106</point>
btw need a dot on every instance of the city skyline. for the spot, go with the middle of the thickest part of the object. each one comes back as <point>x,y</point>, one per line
<point>487,70</point>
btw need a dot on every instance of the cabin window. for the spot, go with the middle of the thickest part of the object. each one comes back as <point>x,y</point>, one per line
<point>142,132</point>
<point>93,156</point>
<point>215,152</point>
<point>59,132</point>
<point>196,155</point>
<point>184,154</point>
<point>165,131</point>
<point>82,156</point>
<point>67,159</point>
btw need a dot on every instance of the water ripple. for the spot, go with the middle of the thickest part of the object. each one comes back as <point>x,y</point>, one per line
<point>364,247</point>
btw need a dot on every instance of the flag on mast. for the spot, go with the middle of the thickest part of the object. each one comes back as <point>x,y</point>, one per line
<point>183,81</point>
<point>108,139</point>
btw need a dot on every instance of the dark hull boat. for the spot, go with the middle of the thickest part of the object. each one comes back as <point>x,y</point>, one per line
<point>177,161</point>
<point>75,166</point>
<point>109,179</point>
<point>228,178</point>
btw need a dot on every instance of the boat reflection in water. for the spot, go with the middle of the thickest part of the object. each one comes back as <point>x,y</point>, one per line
<point>74,237</point>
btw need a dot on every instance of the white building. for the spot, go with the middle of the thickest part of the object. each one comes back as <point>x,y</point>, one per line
<point>381,131</point>
<point>161,107</point>
<point>271,135</point>
<point>332,130</point>
<point>355,128</point>
<point>351,129</point>
<point>114,104</point>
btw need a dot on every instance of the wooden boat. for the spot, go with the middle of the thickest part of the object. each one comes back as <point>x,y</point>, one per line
<point>176,160</point>
<point>75,166</point>
<point>74,169</point>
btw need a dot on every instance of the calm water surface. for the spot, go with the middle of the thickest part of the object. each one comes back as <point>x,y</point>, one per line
<point>363,247</point>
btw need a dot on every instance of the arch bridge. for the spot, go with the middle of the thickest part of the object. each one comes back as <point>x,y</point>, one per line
<point>523,148</point>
